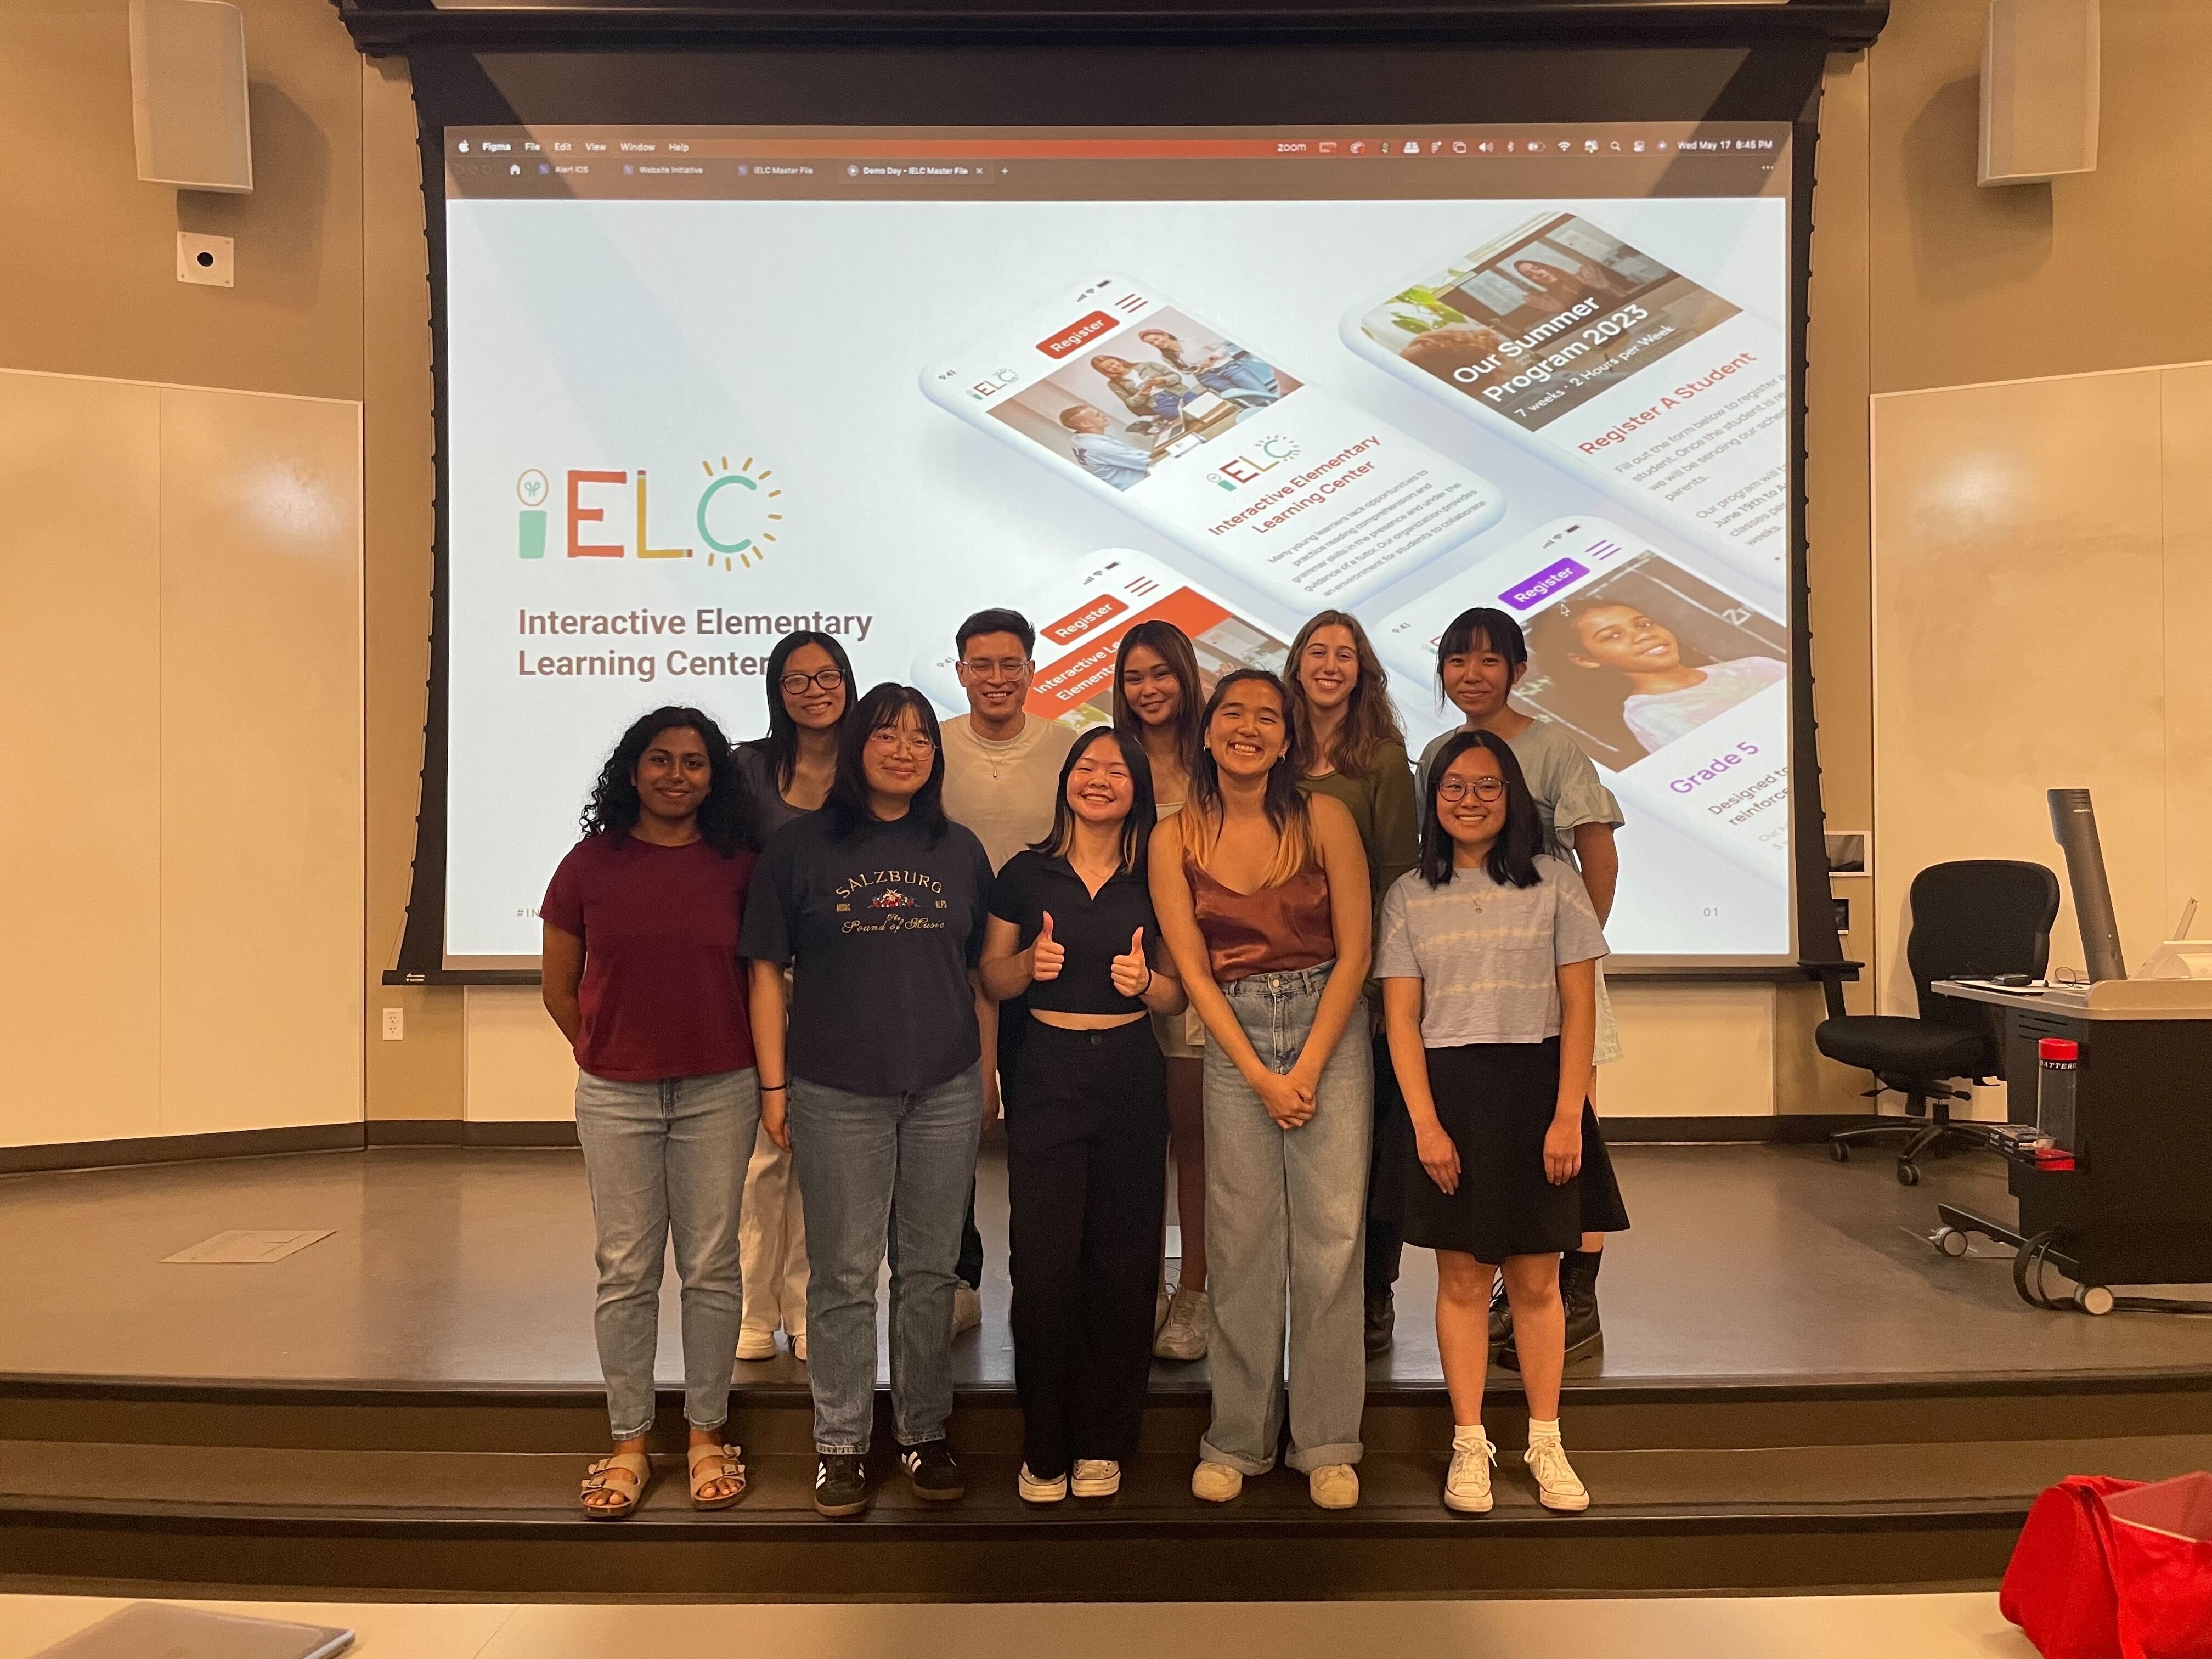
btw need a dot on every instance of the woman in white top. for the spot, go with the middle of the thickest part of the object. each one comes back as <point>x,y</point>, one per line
<point>1488,963</point>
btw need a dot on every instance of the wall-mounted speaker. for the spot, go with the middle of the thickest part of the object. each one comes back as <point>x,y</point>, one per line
<point>188,94</point>
<point>2038,90</point>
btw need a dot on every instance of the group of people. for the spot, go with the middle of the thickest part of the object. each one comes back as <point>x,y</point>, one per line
<point>1355,1003</point>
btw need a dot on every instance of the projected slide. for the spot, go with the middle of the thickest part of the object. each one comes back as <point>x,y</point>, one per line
<point>705,386</point>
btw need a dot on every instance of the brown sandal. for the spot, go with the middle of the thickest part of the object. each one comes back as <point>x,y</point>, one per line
<point>707,1465</point>
<point>600,1478</point>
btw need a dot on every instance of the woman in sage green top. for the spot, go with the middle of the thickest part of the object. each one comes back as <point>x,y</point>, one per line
<point>1351,747</point>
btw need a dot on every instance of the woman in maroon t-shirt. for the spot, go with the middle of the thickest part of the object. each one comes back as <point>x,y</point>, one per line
<point>642,976</point>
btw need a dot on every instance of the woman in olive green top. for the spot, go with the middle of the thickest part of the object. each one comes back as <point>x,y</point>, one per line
<point>1351,747</point>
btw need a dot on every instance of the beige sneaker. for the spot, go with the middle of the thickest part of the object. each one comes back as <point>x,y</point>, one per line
<point>1558,1486</point>
<point>1467,1484</point>
<point>799,1346</point>
<point>1334,1485</point>
<point>753,1343</point>
<point>1160,1305</point>
<point>1034,1491</point>
<point>1190,1321</point>
<point>1215,1483</point>
<point>1096,1477</point>
<point>967,1309</point>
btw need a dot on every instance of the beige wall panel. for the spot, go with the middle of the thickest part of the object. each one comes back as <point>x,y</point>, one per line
<point>2186,400</point>
<point>80,671</point>
<point>517,1067</point>
<point>92,284</point>
<point>1691,1051</point>
<point>2007,519</point>
<point>419,1075</point>
<point>260,720</point>
<point>2101,270</point>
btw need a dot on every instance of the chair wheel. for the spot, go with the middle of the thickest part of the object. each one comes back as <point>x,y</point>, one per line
<point>1839,1151</point>
<point>1950,1241</point>
<point>2093,1299</point>
<point>1908,1175</point>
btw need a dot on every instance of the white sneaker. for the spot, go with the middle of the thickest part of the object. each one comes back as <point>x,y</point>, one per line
<point>753,1343</point>
<point>1190,1321</point>
<point>1215,1483</point>
<point>1467,1483</point>
<point>967,1309</point>
<point>1558,1486</point>
<point>1334,1485</point>
<point>799,1347</point>
<point>1034,1491</point>
<point>1096,1477</point>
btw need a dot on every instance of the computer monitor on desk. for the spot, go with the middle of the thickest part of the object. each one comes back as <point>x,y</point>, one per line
<point>2175,979</point>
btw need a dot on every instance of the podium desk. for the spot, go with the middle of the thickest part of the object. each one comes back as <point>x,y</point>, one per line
<point>2138,1207</point>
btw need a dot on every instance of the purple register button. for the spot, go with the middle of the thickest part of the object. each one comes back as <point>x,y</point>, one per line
<point>1545,583</point>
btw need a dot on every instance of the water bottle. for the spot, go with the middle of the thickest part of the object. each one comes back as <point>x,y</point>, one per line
<point>2058,1060</point>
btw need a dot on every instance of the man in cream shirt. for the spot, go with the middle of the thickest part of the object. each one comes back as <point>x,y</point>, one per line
<point>1001,771</point>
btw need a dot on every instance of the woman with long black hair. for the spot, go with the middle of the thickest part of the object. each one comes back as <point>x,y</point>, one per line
<point>1488,962</point>
<point>787,774</point>
<point>1158,699</point>
<point>870,1078</point>
<point>1261,892</point>
<point>641,927</point>
<point>1072,931</point>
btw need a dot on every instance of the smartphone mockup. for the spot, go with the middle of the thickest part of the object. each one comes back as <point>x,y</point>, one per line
<point>1677,687</point>
<point>1215,444</point>
<point>1567,339</point>
<point>1082,616</point>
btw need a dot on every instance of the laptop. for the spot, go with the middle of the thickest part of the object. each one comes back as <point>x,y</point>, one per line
<point>155,1630</point>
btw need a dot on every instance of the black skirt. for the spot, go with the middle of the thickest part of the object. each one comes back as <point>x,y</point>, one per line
<point>1496,1101</point>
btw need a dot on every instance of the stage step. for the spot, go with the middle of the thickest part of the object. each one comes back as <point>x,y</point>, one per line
<point>1725,1486</point>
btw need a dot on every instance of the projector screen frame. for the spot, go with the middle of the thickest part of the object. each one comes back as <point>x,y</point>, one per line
<point>923,85</point>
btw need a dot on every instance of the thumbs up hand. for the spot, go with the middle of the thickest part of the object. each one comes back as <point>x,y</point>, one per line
<point>1047,955</point>
<point>1131,975</point>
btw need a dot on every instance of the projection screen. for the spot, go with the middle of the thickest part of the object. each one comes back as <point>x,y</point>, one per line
<point>704,385</point>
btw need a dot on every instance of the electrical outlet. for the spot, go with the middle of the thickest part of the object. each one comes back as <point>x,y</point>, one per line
<point>204,259</point>
<point>395,1024</point>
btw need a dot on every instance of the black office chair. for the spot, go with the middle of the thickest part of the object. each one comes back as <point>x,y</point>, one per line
<point>1972,919</point>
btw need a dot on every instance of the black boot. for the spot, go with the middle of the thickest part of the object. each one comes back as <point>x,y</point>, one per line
<point>1501,1326</point>
<point>1382,1320</point>
<point>1578,1289</point>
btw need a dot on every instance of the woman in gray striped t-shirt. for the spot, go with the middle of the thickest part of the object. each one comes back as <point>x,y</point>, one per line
<point>1488,960</point>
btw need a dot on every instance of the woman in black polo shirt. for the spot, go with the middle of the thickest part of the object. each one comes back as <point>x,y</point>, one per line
<point>1072,928</point>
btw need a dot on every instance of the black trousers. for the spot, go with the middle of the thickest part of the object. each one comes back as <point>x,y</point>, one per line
<point>1389,1150</point>
<point>1086,1138</point>
<point>1013,1022</point>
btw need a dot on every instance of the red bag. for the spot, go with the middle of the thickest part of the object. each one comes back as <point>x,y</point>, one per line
<point>2109,1569</point>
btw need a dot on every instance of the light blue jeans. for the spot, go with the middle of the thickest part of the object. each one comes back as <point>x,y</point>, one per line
<point>663,1158</point>
<point>1285,1216</point>
<point>868,1164</point>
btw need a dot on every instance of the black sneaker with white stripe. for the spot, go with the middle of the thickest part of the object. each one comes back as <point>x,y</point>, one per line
<point>840,1485</point>
<point>933,1472</point>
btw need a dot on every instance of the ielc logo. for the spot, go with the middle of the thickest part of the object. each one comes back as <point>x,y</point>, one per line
<point>1263,458</point>
<point>731,515</point>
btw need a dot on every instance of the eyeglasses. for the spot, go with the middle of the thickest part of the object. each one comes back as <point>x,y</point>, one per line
<point>794,683</point>
<point>1004,668</point>
<point>890,736</point>
<point>1458,789</point>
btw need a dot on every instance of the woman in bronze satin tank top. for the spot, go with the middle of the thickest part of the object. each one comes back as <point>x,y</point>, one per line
<point>1261,895</point>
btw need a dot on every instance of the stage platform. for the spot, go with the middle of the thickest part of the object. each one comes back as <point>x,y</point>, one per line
<point>1798,1393</point>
